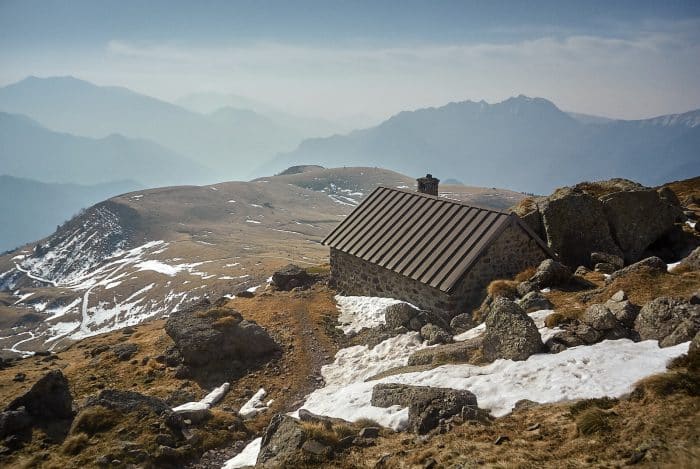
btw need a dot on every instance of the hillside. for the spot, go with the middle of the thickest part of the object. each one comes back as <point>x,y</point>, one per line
<point>144,254</point>
<point>33,209</point>
<point>66,104</point>
<point>31,151</point>
<point>523,143</point>
<point>611,403</point>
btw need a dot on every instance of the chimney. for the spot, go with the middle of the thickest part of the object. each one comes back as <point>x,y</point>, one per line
<point>428,185</point>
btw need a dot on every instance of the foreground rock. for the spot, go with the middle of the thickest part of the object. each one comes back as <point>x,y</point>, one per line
<point>292,276</point>
<point>282,438</point>
<point>427,406</point>
<point>650,265</point>
<point>215,340</point>
<point>510,333</point>
<point>671,321</point>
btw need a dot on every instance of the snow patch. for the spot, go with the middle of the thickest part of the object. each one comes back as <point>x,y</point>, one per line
<point>247,457</point>
<point>358,312</point>
<point>254,406</point>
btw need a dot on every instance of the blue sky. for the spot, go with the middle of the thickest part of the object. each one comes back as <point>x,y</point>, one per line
<point>344,58</point>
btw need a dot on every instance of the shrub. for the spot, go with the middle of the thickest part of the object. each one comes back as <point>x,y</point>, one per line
<point>555,319</point>
<point>503,288</point>
<point>320,432</point>
<point>585,404</point>
<point>75,444</point>
<point>525,274</point>
<point>366,422</point>
<point>95,419</point>
<point>591,421</point>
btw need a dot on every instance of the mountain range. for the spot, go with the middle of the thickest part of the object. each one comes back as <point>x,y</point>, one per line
<point>522,143</point>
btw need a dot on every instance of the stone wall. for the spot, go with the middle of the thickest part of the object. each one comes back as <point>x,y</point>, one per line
<point>511,253</point>
<point>351,275</point>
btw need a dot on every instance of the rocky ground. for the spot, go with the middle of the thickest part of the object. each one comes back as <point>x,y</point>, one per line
<point>153,394</point>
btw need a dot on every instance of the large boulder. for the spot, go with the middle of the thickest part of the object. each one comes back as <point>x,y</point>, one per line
<point>510,333</point>
<point>632,227</point>
<point>292,276</point>
<point>575,224</point>
<point>283,437</point>
<point>48,399</point>
<point>217,337</point>
<point>534,301</point>
<point>427,406</point>
<point>671,321</point>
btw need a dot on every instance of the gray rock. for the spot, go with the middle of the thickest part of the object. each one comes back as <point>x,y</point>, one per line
<point>534,301</point>
<point>426,405</point>
<point>317,448</point>
<point>624,311</point>
<point>523,289</point>
<point>404,315</point>
<point>125,351</point>
<point>694,345</point>
<point>48,399</point>
<point>667,195</point>
<point>576,226</point>
<point>510,333</point>
<point>369,432</point>
<point>292,276</point>
<point>282,438</point>
<point>195,416</point>
<point>665,318</point>
<point>127,401</point>
<point>218,341</point>
<point>435,335</point>
<point>599,317</point>
<point>604,268</point>
<point>586,334</point>
<point>619,295</point>
<point>457,352</point>
<point>550,273</point>
<point>650,264</point>
<point>462,323</point>
<point>616,262</point>
<point>628,215</point>
<point>692,261</point>
<point>14,422</point>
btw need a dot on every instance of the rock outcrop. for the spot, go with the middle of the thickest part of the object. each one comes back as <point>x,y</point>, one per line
<point>427,406</point>
<point>510,333</point>
<point>650,264</point>
<point>610,218</point>
<point>48,399</point>
<point>282,438</point>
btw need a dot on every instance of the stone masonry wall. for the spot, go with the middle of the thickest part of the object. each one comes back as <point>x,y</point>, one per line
<point>351,275</point>
<point>511,253</point>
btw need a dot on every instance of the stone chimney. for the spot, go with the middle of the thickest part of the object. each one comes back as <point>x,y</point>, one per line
<point>428,185</point>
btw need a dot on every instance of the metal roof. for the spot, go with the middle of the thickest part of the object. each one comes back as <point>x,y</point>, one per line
<point>430,239</point>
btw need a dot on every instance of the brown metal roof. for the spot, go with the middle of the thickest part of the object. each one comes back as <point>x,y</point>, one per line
<point>427,238</point>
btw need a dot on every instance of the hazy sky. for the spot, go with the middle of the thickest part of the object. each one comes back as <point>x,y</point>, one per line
<point>335,59</point>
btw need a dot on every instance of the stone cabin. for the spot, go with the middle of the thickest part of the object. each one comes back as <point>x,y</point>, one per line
<point>436,253</point>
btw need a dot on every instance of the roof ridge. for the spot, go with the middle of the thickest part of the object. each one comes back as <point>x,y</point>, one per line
<point>445,199</point>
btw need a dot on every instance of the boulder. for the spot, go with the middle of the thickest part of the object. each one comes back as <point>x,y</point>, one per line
<point>462,323</point>
<point>14,422</point>
<point>604,268</point>
<point>435,335</point>
<point>282,438</point>
<point>427,406</point>
<point>668,320</point>
<point>534,301</point>
<point>457,352</point>
<point>576,225</point>
<point>208,338</point>
<point>632,228</point>
<point>667,195</point>
<point>292,276</point>
<point>510,333</point>
<point>125,351</point>
<point>582,270</point>
<point>550,273</point>
<point>692,261</point>
<point>623,310</point>
<point>404,315</point>
<point>127,401</point>
<point>650,264</point>
<point>694,347</point>
<point>48,399</point>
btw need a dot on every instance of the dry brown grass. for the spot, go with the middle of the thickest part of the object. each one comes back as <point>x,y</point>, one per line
<point>94,419</point>
<point>503,288</point>
<point>526,274</point>
<point>74,444</point>
<point>592,421</point>
<point>555,319</point>
<point>215,313</point>
<point>525,206</point>
<point>225,322</point>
